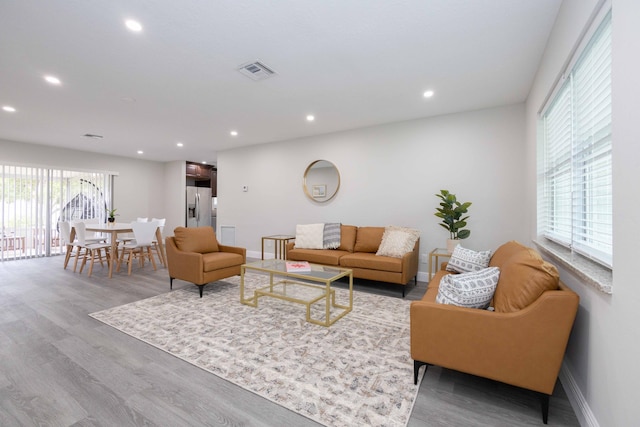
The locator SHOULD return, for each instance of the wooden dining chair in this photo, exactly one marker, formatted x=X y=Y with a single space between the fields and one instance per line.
x=155 y=247
x=65 y=235
x=92 y=250
x=140 y=247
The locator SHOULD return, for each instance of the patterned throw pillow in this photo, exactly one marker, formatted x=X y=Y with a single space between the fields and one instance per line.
x=309 y=236
x=465 y=260
x=331 y=237
x=471 y=290
x=397 y=241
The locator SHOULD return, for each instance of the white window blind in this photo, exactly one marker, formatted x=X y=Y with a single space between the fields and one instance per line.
x=34 y=199
x=576 y=167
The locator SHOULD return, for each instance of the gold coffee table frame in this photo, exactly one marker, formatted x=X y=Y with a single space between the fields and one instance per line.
x=285 y=289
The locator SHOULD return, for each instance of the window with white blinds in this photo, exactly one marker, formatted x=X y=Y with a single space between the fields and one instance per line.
x=576 y=208
x=34 y=199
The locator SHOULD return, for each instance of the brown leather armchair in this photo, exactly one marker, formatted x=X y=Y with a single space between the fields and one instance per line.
x=195 y=255
x=521 y=343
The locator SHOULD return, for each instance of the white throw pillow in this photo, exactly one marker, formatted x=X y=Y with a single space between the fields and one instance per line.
x=471 y=290
x=397 y=241
x=309 y=236
x=465 y=260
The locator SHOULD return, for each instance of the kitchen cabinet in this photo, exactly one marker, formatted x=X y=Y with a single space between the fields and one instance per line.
x=199 y=175
x=214 y=183
x=196 y=170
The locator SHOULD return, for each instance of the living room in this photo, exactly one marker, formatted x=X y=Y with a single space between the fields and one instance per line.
x=390 y=173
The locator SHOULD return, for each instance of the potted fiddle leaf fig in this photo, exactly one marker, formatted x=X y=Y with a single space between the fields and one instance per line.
x=451 y=212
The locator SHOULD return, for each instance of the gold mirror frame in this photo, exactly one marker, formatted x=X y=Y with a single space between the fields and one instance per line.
x=321 y=181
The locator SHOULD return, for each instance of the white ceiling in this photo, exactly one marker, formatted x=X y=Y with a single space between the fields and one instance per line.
x=351 y=63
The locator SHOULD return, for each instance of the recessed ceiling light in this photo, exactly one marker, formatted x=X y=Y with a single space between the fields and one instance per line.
x=133 y=25
x=204 y=163
x=233 y=133
x=180 y=144
x=140 y=152
x=53 y=80
x=310 y=118
x=428 y=94
x=9 y=109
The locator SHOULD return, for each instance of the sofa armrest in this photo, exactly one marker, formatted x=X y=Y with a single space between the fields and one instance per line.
x=524 y=348
x=187 y=266
x=235 y=250
x=410 y=262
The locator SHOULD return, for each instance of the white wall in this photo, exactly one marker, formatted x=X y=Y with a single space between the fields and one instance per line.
x=605 y=344
x=142 y=188
x=389 y=176
x=175 y=195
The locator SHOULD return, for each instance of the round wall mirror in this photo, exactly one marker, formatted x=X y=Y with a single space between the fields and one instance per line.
x=321 y=181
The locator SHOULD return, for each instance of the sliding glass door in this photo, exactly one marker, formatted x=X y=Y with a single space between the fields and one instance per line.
x=34 y=199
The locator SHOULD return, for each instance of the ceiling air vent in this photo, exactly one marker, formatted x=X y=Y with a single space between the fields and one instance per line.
x=256 y=70
x=93 y=135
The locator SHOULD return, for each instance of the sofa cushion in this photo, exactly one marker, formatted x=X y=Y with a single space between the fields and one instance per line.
x=524 y=277
x=371 y=261
x=397 y=241
x=472 y=290
x=317 y=256
x=331 y=235
x=196 y=239
x=368 y=239
x=465 y=260
x=504 y=252
x=309 y=236
x=218 y=260
x=347 y=237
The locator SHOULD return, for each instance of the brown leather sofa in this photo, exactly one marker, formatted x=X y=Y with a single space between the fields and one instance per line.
x=357 y=251
x=195 y=255
x=521 y=343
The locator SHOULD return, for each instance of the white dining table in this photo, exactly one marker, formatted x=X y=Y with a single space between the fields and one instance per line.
x=113 y=229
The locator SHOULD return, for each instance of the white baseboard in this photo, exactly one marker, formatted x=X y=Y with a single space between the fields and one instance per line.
x=576 y=398
x=423 y=276
x=258 y=255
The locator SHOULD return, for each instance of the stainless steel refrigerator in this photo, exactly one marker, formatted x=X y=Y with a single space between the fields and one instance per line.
x=198 y=206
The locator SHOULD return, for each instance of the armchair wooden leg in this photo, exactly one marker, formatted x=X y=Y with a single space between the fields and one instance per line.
x=120 y=258
x=150 y=254
x=416 y=367
x=75 y=262
x=170 y=282
x=92 y=255
x=544 y=400
x=67 y=255
x=84 y=260
x=201 y=288
x=130 y=260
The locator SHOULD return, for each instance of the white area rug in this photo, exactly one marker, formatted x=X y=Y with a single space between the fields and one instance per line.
x=356 y=372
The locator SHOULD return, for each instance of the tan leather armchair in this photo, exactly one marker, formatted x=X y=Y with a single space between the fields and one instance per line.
x=521 y=343
x=195 y=255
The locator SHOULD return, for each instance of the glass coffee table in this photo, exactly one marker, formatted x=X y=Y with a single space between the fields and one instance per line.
x=308 y=287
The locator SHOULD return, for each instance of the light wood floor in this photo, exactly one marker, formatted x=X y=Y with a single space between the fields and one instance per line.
x=59 y=367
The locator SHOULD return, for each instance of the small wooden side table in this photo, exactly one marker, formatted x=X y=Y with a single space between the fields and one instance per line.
x=436 y=254
x=279 y=245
